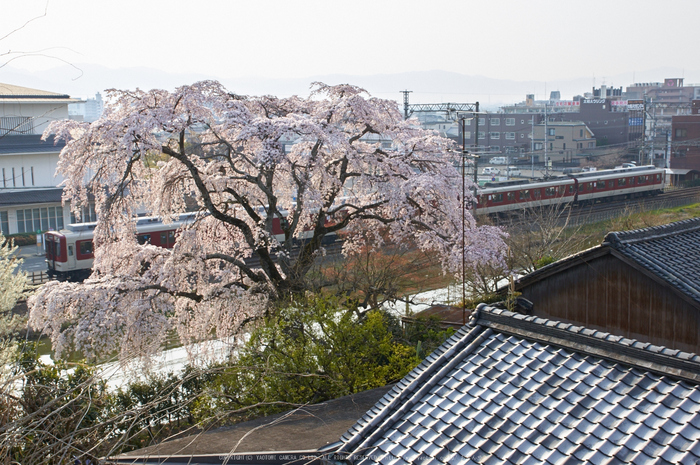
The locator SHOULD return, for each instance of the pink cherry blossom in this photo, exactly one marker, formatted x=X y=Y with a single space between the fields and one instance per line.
x=338 y=160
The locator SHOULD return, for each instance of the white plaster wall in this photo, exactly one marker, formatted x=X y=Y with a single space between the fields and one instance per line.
x=44 y=165
x=42 y=113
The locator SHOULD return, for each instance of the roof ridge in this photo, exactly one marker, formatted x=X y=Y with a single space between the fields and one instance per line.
x=15 y=91
x=662 y=360
x=621 y=238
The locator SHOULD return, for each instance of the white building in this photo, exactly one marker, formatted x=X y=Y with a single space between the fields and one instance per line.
x=30 y=199
x=88 y=110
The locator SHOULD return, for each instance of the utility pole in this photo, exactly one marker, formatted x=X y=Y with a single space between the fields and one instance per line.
x=532 y=143
x=405 y=102
x=546 y=142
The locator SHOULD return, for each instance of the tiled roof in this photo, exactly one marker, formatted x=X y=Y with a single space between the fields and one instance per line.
x=31 y=143
x=510 y=388
x=671 y=252
x=301 y=431
x=28 y=197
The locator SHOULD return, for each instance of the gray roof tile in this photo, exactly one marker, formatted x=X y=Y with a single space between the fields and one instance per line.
x=679 y=245
x=509 y=399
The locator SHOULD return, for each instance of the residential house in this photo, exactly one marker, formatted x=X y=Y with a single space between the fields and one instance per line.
x=505 y=388
x=564 y=139
x=642 y=284
x=510 y=388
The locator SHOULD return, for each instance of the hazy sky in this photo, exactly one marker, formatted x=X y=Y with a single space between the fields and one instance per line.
x=509 y=39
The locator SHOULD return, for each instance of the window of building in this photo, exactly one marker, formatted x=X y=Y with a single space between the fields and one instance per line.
x=510 y=121
x=538 y=146
x=4 y=223
x=510 y=135
x=467 y=134
x=551 y=131
x=495 y=148
x=495 y=135
x=495 y=121
x=482 y=135
x=39 y=219
x=681 y=132
x=580 y=134
x=87 y=215
x=482 y=122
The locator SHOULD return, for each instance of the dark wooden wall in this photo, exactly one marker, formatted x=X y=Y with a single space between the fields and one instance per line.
x=607 y=294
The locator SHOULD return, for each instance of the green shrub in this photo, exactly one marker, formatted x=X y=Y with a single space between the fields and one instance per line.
x=23 y=239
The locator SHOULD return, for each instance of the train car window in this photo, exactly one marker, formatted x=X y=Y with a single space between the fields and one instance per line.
x=658 y=177
x=643 y=179
x=85 y=247
x=571 y=188
x=622 y=182
x=600 y=185
x=536 y=194
x=525 y=195
x=511 y=196
x=167 y=238
x=143 y=238
x=70 y=250
x=497 y=198
x=562 y=189
x=550 y=191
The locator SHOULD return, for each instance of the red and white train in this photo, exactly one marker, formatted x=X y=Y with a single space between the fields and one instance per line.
x=70 y=252
x=577 y=189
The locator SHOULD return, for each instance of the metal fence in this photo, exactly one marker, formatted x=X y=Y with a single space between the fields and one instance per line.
x=35 y=278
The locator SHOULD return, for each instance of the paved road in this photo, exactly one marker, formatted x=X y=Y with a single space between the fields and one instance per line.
x=33 y=257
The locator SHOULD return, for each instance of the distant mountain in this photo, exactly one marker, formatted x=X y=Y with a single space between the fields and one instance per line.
x=425 y=86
